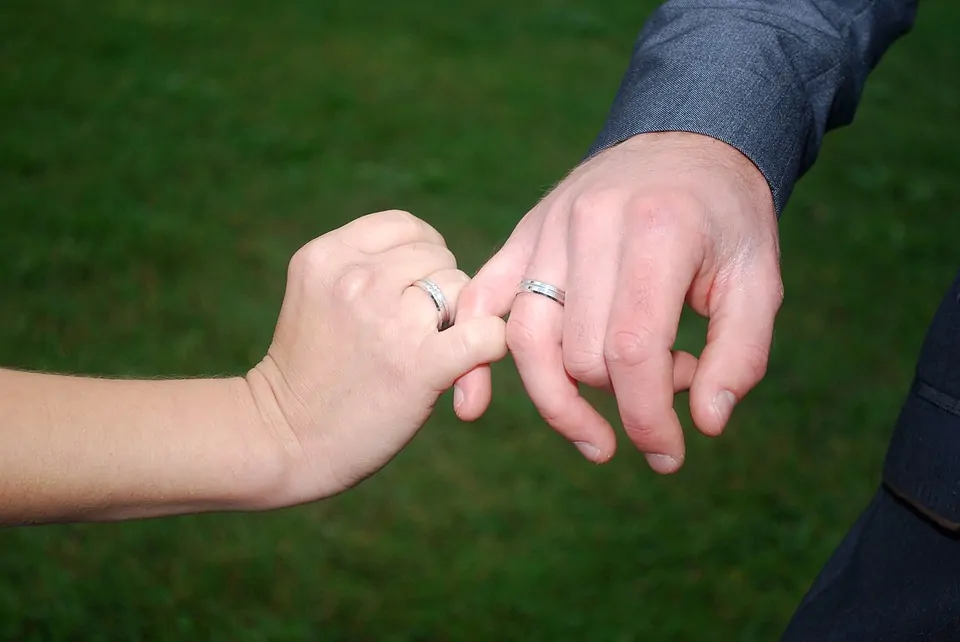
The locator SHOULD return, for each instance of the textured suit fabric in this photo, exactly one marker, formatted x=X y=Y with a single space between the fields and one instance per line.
x=769 y=77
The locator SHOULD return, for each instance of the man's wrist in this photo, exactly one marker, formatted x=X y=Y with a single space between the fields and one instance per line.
x=711 y=148
x=714 y=152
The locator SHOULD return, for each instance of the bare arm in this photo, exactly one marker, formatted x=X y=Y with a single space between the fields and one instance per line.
x=98 y=449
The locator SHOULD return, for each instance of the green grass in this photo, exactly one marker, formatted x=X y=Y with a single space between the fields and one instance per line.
x=159 y=162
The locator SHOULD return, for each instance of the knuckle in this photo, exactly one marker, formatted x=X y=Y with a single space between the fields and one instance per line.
x=416 y=226
x=755 y=359
x=768 y=264
x=552 y=414
x=663 y=210
x=521 y=338
x=399 y=217
x=640 y=433
x=437 y=257
x=778 y=294
x=628 y=347
x=585 y=206
x=354 y=283
x=445 y=257
x=645 y=424
x=584 y=364
x=311 y=260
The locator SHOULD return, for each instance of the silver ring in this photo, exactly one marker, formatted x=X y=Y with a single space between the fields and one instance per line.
x=444 y=319
x=552 y=292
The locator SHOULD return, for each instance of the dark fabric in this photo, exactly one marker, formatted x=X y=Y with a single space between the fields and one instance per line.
x=923 y=461
x=896 y=576
x=769 y=77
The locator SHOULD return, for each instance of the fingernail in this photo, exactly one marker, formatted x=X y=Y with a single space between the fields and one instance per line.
x=723 y=405
x=663 y=464
x=588 y=450
x=457 y=397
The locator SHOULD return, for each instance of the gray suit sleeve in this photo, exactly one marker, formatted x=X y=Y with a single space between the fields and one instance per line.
x=769 y=77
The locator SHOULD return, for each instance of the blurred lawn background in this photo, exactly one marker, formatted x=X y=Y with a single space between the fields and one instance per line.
x=159 y=163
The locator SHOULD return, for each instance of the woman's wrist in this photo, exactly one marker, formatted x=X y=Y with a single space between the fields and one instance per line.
x=286 y=473
x=251 y=459
x=91 y=449
x=215 y=452
x=267 y=442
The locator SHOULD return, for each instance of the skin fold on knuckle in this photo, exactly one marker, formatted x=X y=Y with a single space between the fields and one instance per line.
x=446 y=258
x=628 y=347
x=398 y=217
x=763 y=273
x=755 y=359
x=778 y=293
x=751 y=256
x=354 y=284
x=642 y=431
x=437 y=254
x=584 y=365
x=311 y=262
x=418 y=227
x=665 y=211
x=588 y=204
x=556 y=415
x=522 y=340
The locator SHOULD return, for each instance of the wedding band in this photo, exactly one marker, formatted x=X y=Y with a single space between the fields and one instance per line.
x=552 y=292
x=443 y=310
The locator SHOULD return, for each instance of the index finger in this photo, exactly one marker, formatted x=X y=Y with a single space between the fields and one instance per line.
x=655 y=273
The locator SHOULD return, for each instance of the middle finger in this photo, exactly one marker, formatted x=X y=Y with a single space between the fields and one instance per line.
x=655 y=273
x=594 y=262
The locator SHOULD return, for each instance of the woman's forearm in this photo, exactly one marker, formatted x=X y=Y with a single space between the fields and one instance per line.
x=76 y=448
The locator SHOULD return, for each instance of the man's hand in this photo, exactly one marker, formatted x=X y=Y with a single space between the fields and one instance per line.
x=630 y=235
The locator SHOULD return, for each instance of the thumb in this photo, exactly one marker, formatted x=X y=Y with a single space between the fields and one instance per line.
x=489 y=294
x=735 y=357
x=470 y=343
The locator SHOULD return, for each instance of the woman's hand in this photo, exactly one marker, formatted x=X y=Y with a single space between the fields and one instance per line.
x=355 y=367
x=357 y=362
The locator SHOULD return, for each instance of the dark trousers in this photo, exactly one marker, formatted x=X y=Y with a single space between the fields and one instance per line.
x=896 y=575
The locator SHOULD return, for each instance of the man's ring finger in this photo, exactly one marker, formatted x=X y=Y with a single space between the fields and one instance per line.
x=552 y=292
